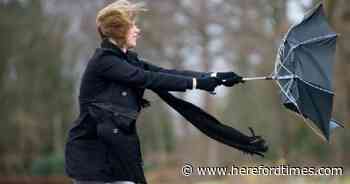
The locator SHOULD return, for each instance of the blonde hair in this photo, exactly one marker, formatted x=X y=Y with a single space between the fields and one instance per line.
x=114 y=20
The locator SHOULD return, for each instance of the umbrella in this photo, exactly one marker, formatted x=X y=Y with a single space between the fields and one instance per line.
x=303 y=71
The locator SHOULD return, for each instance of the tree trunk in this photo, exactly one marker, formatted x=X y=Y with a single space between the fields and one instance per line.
x=338 y=12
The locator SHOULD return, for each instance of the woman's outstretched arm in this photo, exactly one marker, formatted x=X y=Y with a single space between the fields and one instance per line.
x=188 y=73
x=117 y=70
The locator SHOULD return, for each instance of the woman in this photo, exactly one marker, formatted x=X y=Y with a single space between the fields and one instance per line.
x=103 y=145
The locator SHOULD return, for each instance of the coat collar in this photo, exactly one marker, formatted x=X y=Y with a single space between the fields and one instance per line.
x=129 y=55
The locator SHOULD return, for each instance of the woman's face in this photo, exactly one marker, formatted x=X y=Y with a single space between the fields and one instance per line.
x=132 y=36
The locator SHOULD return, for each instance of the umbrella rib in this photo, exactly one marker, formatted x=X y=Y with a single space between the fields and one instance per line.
x=315 y=86
x=289 y=98
x=282 y=66
x=316 y=39
x=279 y=63
x=289 y=83
x=286 y=93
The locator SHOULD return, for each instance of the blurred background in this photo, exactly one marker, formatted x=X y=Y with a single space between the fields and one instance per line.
x=45 y=46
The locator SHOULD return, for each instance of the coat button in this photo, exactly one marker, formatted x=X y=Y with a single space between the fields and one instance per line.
x=124 y=93
x=115 y=131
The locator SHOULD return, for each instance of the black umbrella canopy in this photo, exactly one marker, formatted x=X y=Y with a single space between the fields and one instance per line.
x=304 y=70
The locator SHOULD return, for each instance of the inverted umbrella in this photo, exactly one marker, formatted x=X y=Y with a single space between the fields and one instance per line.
x=303 y=71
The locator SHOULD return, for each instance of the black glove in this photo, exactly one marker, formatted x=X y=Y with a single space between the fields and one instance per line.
x=207 y=83
x=229 y=79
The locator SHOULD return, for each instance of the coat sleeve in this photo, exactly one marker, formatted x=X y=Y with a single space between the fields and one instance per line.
x=121 y=71
x=187 y=73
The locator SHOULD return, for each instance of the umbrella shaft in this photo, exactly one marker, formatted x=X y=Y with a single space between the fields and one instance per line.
x=256 y=78
x=269 y=78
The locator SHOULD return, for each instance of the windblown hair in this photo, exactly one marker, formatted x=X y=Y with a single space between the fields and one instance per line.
x=114 y=20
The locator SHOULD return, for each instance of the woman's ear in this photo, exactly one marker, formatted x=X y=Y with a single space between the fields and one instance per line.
x=99 y=30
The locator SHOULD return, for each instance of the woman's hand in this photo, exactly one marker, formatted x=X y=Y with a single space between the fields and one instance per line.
x=206 y=83
x=228 y=79
x=209 y=83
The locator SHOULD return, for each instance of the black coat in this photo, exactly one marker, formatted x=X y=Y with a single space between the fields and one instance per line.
x=103 y=144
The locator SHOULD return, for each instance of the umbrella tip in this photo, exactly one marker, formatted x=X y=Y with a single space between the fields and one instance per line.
x=333 y=124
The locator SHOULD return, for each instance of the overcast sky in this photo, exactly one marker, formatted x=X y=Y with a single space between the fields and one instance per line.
x=295 y=9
